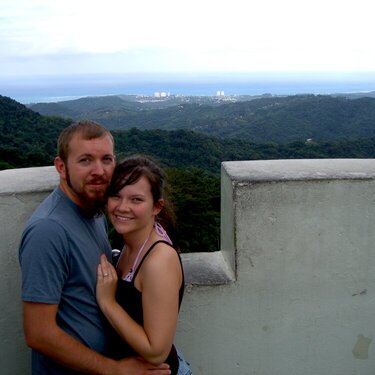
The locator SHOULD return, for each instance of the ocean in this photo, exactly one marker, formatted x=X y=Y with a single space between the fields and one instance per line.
x=36 y=89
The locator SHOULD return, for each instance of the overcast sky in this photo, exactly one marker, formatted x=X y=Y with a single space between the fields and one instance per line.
x=118 y=36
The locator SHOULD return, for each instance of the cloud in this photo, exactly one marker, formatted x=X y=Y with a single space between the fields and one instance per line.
x=71 y=36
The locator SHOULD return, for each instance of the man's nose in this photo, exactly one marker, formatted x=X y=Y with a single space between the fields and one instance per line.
x=98 y=168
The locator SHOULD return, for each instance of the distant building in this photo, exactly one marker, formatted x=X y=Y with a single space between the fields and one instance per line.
x=161 y=94
x=220 y=93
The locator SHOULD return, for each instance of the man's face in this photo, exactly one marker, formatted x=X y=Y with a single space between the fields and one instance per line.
x=88 y=170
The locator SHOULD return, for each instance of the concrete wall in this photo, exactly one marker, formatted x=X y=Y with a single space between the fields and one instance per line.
x=301 y=233
x=292 y=290
x=20 y=192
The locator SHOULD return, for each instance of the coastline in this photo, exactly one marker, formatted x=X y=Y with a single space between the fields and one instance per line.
x=44 y=89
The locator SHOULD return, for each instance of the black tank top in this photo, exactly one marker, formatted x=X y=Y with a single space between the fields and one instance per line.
x=130 y=299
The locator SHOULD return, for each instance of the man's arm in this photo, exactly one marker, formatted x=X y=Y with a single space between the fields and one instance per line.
x=45 y=336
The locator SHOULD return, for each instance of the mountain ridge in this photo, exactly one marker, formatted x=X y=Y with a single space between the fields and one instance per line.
x=279 y=119
x=29 y=139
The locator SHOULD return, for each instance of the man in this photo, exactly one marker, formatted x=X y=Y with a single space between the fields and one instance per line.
x=59 y=253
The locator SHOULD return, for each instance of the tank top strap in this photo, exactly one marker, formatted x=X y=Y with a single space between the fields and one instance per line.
x=147 y=253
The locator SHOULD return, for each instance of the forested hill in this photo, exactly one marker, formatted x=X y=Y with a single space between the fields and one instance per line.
x=29 y=139
x=260 y=120
x=192 y=161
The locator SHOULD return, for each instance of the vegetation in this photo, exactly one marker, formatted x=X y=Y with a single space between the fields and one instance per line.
x=196 y=197
x=259 y=120
x=192 y=159
x=27 y=138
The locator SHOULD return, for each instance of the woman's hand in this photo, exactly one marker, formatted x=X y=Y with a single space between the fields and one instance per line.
x=106 y=283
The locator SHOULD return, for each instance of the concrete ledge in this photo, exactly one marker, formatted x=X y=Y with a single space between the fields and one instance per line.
x=25 y=180
x=206 y=269
x=299 y=169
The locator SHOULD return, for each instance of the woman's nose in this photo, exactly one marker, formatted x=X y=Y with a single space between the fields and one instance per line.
x=123 y=205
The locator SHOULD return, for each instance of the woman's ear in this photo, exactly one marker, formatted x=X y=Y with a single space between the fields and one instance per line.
x=158 y=206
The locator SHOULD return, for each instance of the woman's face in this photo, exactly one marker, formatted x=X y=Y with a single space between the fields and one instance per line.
x=133 y=208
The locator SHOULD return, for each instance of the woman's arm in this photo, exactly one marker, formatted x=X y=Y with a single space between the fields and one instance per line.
x=43 y=334
x=159 y=280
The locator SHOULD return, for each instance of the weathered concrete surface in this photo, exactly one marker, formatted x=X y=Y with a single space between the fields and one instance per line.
x=303 y=301
x=21 y=190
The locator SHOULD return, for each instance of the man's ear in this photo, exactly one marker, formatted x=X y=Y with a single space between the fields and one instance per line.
x=60 y=167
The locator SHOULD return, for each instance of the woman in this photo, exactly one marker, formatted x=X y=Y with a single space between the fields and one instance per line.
x=148 y=275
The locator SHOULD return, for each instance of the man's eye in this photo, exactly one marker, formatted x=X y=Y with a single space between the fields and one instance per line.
x=84 y=161
x=108 y=160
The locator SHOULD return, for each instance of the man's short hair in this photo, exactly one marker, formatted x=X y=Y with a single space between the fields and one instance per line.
x=86 y=129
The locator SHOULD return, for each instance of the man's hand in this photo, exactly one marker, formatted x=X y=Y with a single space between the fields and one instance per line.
x=137 y=366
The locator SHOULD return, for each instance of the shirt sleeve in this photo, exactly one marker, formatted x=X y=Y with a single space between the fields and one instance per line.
x=43 y=256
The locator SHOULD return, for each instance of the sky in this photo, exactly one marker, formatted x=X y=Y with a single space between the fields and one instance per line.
x=56 y=37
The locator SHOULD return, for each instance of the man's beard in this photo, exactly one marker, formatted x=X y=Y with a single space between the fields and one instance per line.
x=91 y=206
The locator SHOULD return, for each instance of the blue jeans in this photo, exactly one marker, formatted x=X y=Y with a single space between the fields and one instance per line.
x=183 y=366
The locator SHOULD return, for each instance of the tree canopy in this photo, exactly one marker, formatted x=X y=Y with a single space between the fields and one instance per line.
x=191 y=159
